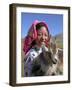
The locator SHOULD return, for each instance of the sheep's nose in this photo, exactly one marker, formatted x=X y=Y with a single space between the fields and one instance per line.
x=53 y=74
x=54 y=61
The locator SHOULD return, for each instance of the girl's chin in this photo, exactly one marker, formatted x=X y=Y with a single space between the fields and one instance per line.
x=42 y=43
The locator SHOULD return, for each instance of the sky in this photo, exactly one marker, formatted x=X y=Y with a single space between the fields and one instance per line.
x=54 y=22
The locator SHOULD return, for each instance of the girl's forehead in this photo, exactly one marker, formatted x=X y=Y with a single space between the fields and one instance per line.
x=43 y=30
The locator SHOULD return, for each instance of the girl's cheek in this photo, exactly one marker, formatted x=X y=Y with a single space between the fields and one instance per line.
x=38 y=37
x=46 y=38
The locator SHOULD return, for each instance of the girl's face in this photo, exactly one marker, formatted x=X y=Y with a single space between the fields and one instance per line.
x=42 y=36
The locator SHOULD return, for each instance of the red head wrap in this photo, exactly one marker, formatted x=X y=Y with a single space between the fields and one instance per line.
x=32 y=35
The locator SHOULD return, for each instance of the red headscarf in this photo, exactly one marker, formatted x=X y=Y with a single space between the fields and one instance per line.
x=32 y=35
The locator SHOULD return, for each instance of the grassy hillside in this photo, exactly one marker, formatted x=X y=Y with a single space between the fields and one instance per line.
x=59 y=40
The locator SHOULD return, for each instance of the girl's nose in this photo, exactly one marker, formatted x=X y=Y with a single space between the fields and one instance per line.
x=43 y=37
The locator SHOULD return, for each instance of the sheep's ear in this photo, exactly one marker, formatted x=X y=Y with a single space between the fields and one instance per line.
x=53 y=48
x=60 y=54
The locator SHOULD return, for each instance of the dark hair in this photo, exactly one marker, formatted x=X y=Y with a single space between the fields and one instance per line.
x=41 y=24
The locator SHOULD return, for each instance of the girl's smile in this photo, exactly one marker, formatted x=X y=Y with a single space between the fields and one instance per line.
x=42 y=36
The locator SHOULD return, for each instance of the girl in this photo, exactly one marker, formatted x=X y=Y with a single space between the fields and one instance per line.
x=37 y=38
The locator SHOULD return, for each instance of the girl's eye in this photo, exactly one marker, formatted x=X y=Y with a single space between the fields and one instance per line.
x=39 y=34
x=46 y=35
